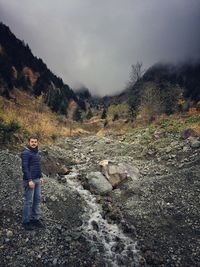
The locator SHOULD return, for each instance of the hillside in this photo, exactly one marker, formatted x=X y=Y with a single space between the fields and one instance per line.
x=28 y=87
x=162 y=89
x=19 y=68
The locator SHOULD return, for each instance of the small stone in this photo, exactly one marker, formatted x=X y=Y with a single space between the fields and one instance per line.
x=9 y=233
x=195 y=144
x=174 y=143
x=180 y=165
x=53 y=198
x=63 y=179
x=95 y=226
x=55 y=262
x=63 y=170
x=185 y=149
x=31 y=253
x=169 y=149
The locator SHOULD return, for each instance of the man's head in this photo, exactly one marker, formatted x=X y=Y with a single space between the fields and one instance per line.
x=33 y=141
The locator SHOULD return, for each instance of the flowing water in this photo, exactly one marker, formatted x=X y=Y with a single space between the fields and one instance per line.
x=107 y=239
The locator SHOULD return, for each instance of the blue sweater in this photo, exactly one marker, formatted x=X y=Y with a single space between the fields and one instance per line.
x=31 y=166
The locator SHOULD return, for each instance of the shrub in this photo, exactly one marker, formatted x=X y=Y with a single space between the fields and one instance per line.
x=104 y=114
x=7 y=130
x=118 y=111
x=198 y=106
x=193 y=119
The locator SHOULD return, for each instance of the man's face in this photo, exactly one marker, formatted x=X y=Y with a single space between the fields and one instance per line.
x=33 y=143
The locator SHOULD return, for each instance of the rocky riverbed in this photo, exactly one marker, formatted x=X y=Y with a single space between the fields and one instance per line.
x=146 y=214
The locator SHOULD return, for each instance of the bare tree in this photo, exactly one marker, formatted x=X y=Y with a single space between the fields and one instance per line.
x=136 y=73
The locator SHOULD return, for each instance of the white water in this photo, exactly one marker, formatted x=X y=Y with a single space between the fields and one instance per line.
x=117 y=248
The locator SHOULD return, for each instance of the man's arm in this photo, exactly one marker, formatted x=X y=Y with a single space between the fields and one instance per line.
x=25 y=168
x=25 y=165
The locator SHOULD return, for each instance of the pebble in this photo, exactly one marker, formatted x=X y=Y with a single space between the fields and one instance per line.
x=195 y=144
x=55 y=262
x=53 y=198
x=9 y=233
x=185 y=149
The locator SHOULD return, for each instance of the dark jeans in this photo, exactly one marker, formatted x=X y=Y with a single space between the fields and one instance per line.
x=32 y=199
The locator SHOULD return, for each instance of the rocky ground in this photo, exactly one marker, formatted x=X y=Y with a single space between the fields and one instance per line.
x=159 y=209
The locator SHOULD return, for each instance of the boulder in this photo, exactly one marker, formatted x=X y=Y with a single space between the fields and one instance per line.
x=99 y=182
x=194 y=142
x=159 y=134
x=188 y=133
x=63 y=170
x=116 y=173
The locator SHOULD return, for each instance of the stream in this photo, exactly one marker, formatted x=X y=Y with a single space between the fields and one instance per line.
x=106 y=239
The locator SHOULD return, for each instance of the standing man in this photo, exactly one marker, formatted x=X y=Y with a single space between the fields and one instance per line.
x=32 y=181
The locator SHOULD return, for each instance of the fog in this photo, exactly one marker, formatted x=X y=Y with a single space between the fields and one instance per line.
x=94 y=43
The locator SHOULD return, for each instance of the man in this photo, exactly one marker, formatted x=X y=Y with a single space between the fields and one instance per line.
x=32 y=181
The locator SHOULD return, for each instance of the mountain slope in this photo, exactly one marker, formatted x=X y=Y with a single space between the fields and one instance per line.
x=186 y=75
x=20 y=68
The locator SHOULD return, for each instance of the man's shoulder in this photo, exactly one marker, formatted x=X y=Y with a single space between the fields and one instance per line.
x=26 y=151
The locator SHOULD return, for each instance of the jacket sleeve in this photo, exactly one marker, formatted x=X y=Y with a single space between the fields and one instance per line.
x=25 y=165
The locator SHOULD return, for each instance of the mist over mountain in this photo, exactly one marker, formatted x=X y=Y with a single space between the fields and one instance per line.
x=95 y=42
x=185 y=74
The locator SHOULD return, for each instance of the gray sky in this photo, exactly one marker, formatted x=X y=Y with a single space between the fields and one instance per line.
x=95 y=42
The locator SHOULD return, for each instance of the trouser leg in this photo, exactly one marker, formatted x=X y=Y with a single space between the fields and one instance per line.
x=36 y=200
x=28 y=200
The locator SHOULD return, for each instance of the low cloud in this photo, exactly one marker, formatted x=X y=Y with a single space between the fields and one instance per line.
x=94 y=42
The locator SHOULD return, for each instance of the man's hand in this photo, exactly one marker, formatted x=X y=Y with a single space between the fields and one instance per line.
x=31 y=184
x=41 y=181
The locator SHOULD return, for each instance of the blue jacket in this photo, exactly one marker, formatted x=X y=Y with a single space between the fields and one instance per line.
x=31 y=166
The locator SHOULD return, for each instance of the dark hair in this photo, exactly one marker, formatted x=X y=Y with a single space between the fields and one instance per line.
x=32 y=137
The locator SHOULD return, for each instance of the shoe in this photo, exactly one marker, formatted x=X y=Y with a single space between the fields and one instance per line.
x=37 y=223
x=27 y=226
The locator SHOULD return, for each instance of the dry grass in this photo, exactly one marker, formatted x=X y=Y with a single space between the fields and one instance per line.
x=34 y=117
x=174 y=123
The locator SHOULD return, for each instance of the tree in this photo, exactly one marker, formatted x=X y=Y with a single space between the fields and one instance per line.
x=63 y=107
x=136 y=73
x=104 y=114
x=151 y=103
x=89 y=114
x=117 y=111
x=77 y=114
x=171 y=94
x=134 y=85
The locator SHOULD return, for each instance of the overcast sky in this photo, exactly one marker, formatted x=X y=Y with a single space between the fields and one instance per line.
x=95 y=42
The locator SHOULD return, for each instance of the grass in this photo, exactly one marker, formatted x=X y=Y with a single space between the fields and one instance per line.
x=169 y=128
x=34 y=118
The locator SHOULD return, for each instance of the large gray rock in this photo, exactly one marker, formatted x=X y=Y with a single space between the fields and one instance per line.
x=99 y=182
x=116 y=173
